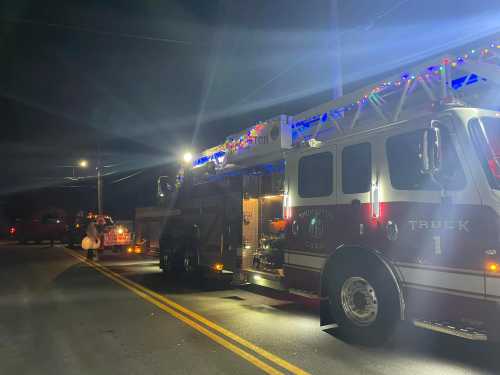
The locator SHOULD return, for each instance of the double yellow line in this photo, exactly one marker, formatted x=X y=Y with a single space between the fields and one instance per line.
x=213 y=331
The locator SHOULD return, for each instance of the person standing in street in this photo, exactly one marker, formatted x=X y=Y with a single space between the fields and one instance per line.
x=93 y=234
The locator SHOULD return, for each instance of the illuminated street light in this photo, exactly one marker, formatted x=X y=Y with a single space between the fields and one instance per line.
x=84 y=164
x=187 y=157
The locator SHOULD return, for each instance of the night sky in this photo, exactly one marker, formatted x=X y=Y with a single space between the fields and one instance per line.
x=134 y=83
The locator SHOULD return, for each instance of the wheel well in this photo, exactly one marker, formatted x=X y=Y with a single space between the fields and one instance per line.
x=345 y=254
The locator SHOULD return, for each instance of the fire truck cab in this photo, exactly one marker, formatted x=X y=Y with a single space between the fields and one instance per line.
x=384 y=204
x=400 y=222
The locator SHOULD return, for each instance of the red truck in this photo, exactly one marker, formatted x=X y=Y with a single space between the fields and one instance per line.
x=383 y=205
x=42 y=226
x=115 y=236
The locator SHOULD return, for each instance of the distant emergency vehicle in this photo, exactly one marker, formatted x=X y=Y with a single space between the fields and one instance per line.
x=384 y=203
x=117 y=237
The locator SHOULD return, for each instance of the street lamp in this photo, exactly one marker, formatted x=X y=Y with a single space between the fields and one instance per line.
x=83 y=163
x=187 y=157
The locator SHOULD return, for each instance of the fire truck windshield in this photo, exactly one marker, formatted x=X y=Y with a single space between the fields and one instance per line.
x=485 y=134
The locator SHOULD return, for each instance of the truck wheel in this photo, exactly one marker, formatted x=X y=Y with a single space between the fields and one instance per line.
x=364 y=301
x=167 y=261
x=190 y=265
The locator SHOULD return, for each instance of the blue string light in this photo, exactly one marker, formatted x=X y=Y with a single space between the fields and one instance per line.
x=299 y=128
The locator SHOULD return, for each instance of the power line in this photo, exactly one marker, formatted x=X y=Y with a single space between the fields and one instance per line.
x=95 y=31
x=127 y=177
x=298 y=62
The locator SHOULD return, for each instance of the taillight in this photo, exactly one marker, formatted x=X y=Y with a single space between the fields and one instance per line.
x=12 y=230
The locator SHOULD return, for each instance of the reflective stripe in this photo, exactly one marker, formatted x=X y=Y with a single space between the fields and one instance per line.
x=302 y=268
x=439 y=268
x=445 y=291
x=309 y=261
x=493 y=286
x=460 y=282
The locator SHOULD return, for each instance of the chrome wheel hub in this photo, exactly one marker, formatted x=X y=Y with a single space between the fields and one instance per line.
x=359 y=301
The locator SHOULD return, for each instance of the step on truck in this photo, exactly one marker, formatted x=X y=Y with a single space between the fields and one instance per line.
x=384 y=203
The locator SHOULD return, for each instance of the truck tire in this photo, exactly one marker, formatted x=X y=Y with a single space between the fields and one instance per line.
x=167 y=263
x=190 y=265
x=364 y=301
x=171 y=254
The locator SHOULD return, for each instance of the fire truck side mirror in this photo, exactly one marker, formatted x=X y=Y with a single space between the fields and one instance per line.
x=159 y=189
x=431 y=150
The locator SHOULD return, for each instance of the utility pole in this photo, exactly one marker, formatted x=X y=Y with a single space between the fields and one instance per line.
x=98 y=117
x=99 y=179
x=335 y=48
x=99 y=188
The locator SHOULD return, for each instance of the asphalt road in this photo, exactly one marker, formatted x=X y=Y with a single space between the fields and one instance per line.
x=59 y=315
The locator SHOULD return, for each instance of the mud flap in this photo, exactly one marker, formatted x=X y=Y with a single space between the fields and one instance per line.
x=325 y=315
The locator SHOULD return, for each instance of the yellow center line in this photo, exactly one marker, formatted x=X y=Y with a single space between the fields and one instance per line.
x=247 y=356
x=269 y=356
x=171 y=305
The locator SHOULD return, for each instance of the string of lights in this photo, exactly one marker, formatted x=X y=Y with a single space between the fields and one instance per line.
x=234 y=144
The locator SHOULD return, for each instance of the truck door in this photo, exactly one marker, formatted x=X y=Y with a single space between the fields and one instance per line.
x=218 y=221
x=484 y=134
x=430 y=224
x=310 y=202
x=233 y=207
x=355 y=198
x=233 y=217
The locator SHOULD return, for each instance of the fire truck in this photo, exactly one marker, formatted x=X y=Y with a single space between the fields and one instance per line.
x=384 y=204
x=117 y=237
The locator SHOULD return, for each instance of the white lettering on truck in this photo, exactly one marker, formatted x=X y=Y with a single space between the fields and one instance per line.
x=459 y=225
